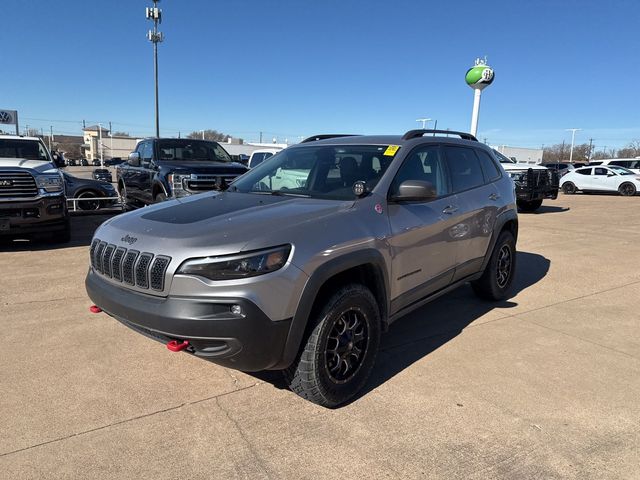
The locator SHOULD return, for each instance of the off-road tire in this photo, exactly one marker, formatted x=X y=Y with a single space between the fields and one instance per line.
x=627 y=189
x=569 y=188
x=491 y=285
x=529 y=206
x=313 y=375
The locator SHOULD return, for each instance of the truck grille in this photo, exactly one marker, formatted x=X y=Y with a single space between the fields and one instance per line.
x=17 y=184
x=143 y=270
x=202 y=183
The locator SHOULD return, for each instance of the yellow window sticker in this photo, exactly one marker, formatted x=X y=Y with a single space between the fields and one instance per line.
x=391 y=150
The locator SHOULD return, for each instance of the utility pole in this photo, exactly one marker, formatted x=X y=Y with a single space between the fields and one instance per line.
x=202 y=134
x=573 y=136
x=260 y=137
x=100 y=145
x=562 y=152
x=155 y=37
x=590 y=146
x=50 y=136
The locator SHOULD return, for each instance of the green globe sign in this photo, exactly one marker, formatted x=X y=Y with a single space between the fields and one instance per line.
x=479 y=76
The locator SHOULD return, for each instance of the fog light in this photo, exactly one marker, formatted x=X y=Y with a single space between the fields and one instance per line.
x=236 y=309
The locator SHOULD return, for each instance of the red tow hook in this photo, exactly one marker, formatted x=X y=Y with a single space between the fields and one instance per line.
x=95 y=309
x=174 y=346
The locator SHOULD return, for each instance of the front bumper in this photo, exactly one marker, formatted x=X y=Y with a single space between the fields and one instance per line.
x=46 y=214
x=537 y=185
x=249 y=341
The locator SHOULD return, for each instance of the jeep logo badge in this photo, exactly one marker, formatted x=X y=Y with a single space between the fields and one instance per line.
x=129 y=239
x=5 y=183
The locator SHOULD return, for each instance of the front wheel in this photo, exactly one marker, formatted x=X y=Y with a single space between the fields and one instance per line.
x=160 y=197
x=496 y=280
x=339 y=354
x=87 y=203
x=569 y=188
x=627 y=189
x=529 y=206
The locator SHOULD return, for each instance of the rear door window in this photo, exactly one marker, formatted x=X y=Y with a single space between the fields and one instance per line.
x=584 y=171
x=464 y=168
x=489 y=167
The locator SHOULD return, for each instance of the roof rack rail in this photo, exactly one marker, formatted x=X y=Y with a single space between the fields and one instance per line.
x=326 y=136
x=419 y=133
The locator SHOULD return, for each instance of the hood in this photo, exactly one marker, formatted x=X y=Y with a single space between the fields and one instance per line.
x=518 y=167
x=36 y=166
x=197 y=166
x=216 y=223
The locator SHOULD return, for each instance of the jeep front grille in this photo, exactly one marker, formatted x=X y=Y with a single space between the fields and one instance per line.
x=143 y=270
x=17 y=184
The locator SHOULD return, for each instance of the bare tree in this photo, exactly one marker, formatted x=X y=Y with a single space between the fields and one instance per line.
x=209 y=135
x=632 y=150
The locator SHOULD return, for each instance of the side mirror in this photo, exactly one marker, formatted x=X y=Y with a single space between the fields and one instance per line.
x=415 y=191
x=134 y=159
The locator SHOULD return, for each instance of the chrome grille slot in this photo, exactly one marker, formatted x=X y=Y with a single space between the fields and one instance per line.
x=99 y=251
x=157 y=272
x=142 y=270
x=116 y=263
x=17 y=184
x=106 y=260
x=127 y=266
x=92 y=252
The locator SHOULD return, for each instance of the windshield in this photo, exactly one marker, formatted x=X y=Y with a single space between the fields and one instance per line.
x=318 y=172
x=27 y=149
x=621 y=171
x=189 y=150
x=502 y=158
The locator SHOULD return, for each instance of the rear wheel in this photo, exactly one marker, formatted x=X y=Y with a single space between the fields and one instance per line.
x=339 y=354
x=495 y=282
x=569 y=188
x=627 y=189
x=529 y=206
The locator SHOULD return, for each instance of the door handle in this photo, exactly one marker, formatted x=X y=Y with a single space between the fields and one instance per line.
x=494 y=196
x=450 y=209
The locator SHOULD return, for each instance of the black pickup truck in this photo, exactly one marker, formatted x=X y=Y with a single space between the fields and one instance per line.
x=162 y=168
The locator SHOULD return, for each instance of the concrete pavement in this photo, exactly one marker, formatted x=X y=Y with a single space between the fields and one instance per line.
x=544 y=385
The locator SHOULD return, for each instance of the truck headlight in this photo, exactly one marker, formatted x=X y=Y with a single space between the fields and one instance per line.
x=50 y=183
x=176 y=181
x=230 y=267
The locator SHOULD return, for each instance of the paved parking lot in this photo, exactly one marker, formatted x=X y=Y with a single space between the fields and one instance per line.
x=545 y=385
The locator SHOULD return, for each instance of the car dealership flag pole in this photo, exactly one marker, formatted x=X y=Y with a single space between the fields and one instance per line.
x=478 y=77
x=155 y=37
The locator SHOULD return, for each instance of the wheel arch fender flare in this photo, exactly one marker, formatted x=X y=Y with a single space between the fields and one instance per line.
x=507 y=217
x=157 y=185
x=366 y=257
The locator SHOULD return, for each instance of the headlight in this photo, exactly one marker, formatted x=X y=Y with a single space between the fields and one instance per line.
x=230 y=267
x=177 y=184
x=50 y=183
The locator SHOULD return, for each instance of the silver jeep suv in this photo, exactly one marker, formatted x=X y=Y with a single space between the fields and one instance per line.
x=303 y=262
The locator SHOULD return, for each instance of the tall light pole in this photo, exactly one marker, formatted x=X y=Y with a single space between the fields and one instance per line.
x=100 y=145
x=424 y=121
x=155 y=37
x=573 y=136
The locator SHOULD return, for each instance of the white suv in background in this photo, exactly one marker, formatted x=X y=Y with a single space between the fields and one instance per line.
x=632 y=164
x=600 y=178
x=259 y=156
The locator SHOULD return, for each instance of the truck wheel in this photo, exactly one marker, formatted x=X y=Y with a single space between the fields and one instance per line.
x=160 y=197
x=126 y=204
x=496 y=280
x=89 y=204
x=340 y=352
x=569 y=188
x=529 y=206
x=627 y=189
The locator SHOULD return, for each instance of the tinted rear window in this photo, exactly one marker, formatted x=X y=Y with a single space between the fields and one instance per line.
x=464 y=168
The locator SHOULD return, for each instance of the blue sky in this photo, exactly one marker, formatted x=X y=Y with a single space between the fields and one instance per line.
x=294 y=68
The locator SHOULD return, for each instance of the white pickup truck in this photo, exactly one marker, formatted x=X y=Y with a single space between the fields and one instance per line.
x=32 y=197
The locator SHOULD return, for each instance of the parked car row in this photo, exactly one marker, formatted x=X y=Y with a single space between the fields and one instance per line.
x=602 y=178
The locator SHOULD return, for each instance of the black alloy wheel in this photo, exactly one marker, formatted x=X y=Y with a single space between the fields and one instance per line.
x=627 y=189
x=569 y=188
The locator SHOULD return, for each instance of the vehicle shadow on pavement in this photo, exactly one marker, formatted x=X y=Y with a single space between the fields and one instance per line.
x=551 y=209
x=423 y=331
x=82 y=229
